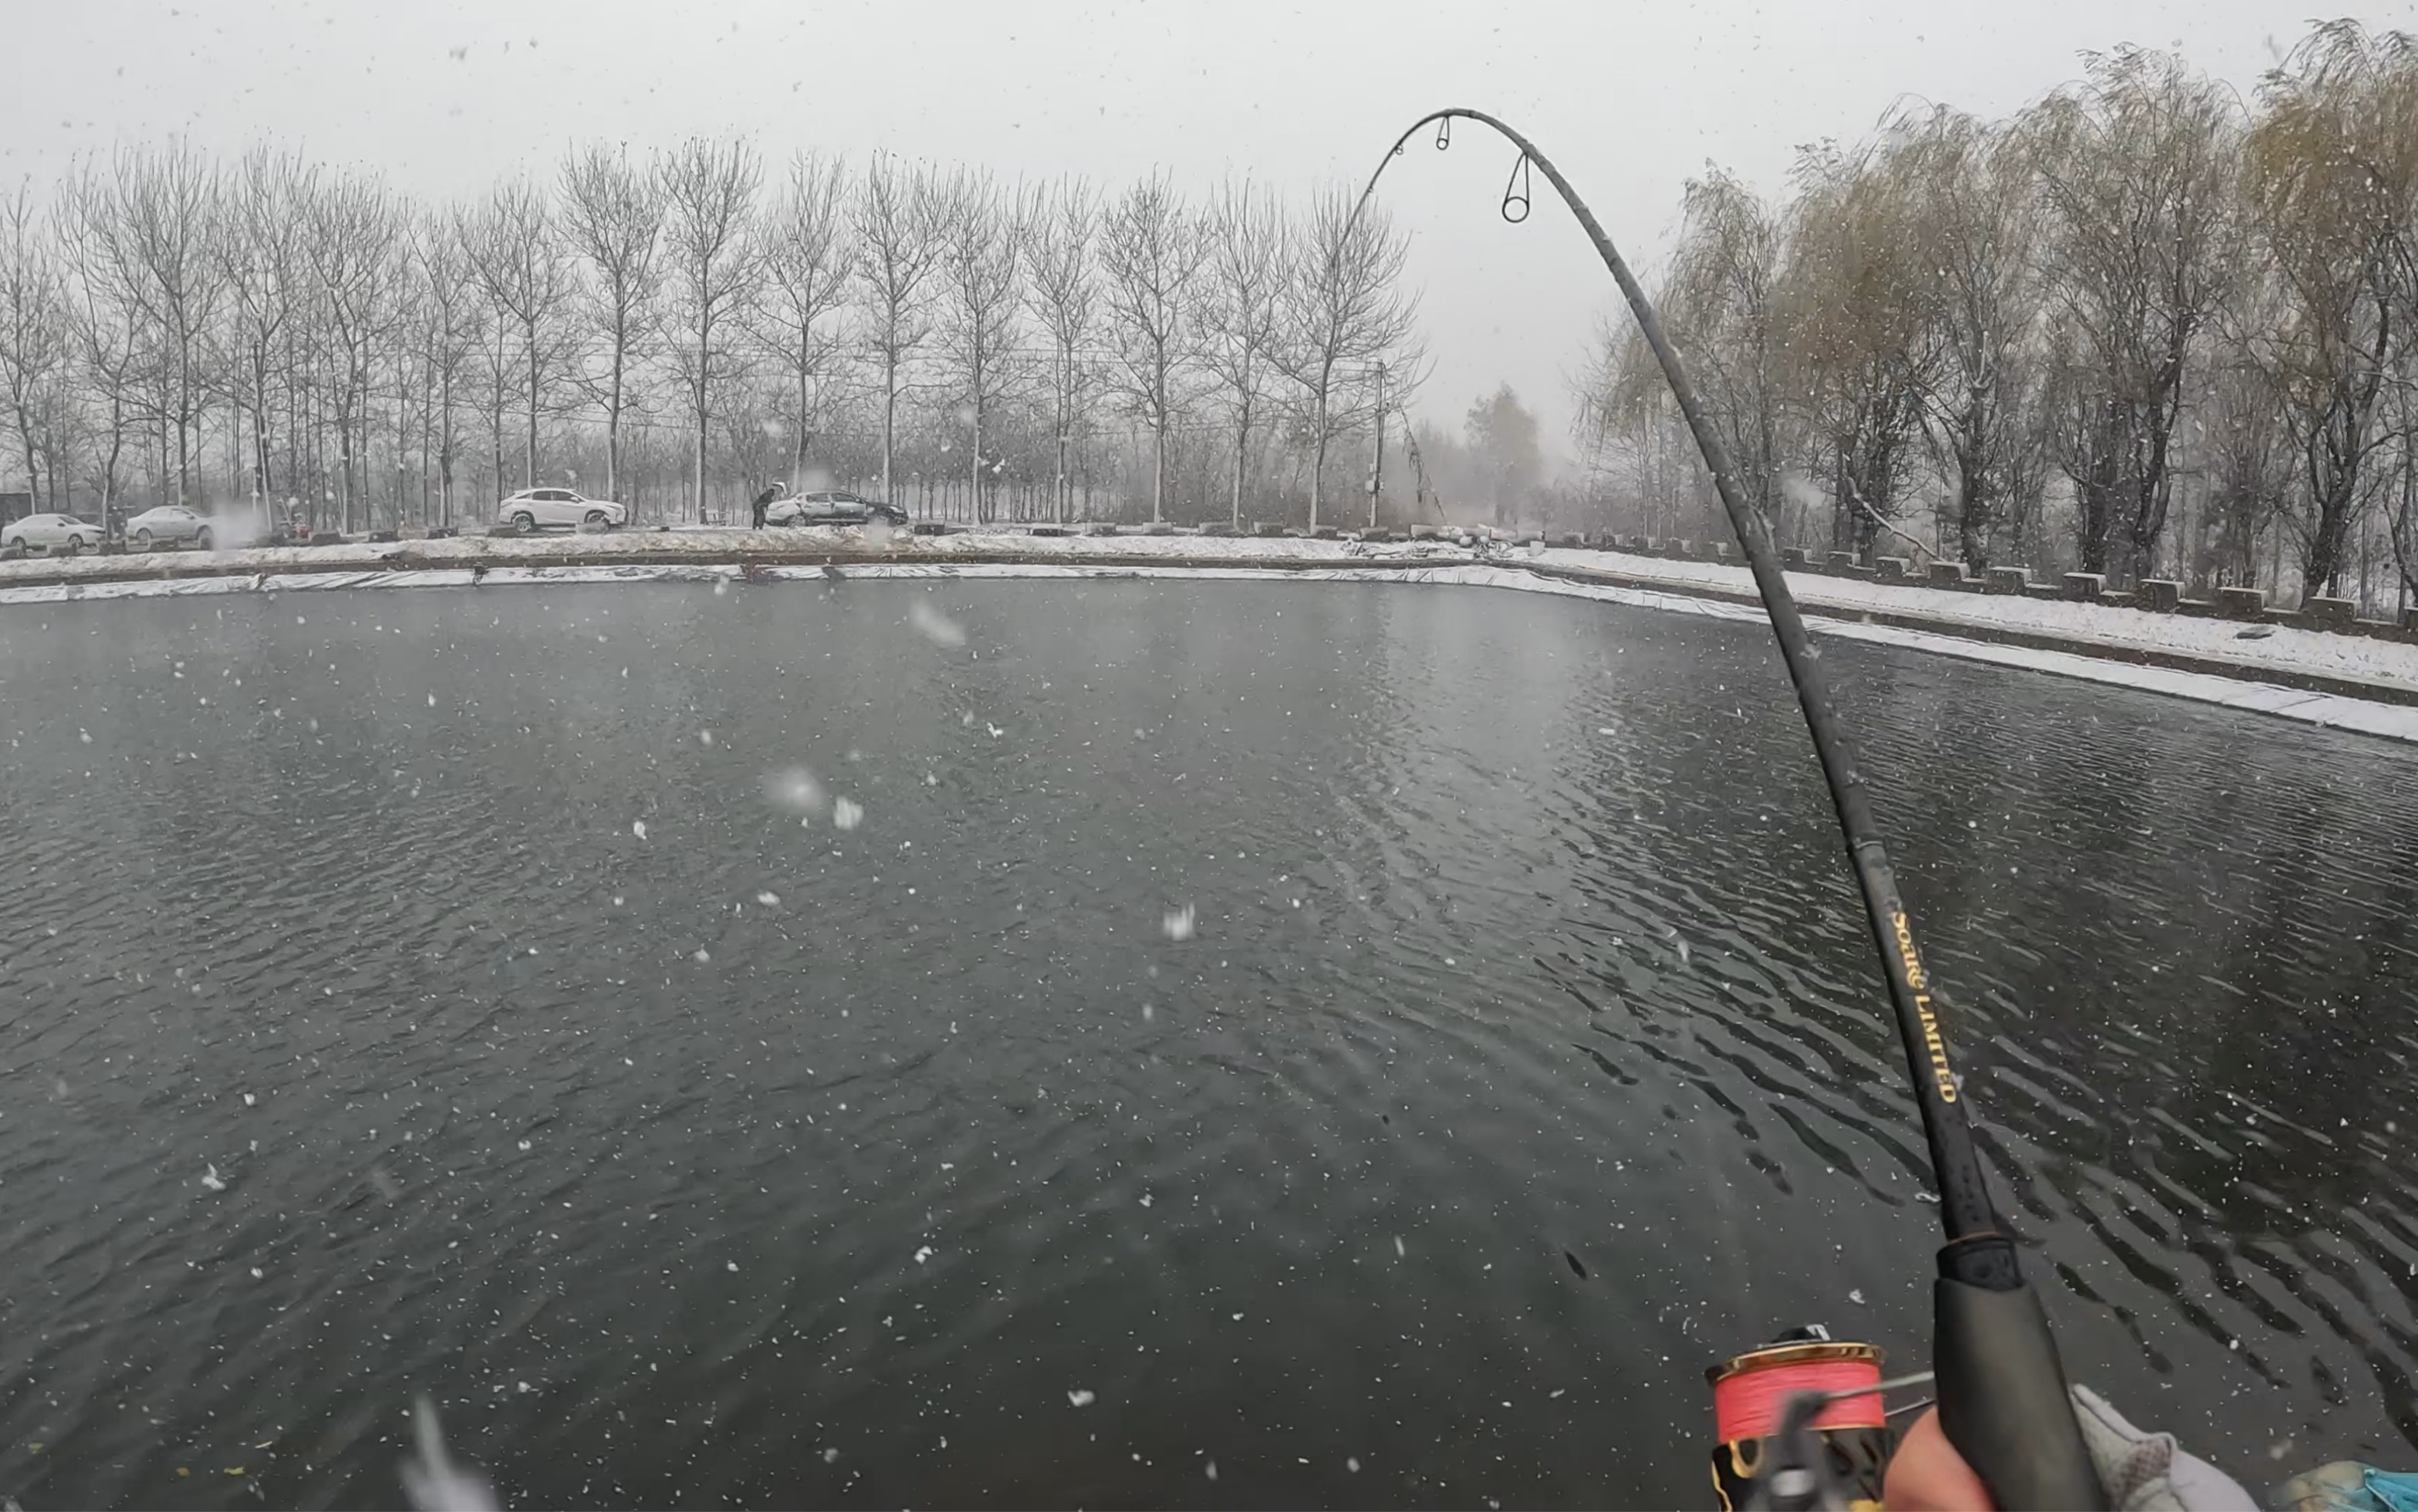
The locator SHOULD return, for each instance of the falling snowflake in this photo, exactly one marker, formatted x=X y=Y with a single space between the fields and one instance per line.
x=847 y=813
x=933 y=625
x=1081 y=1399
x=794 y=788
x=212 y=1179
x=1178 y=923
x=770 y=900
x=638 y=827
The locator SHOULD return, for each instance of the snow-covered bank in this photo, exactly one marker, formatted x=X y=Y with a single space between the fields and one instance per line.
x=2344 y=681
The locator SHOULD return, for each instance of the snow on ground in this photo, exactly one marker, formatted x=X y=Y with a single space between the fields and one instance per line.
x=2094 y=632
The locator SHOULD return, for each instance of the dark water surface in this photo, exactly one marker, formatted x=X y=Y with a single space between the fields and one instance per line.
x=352 y=1044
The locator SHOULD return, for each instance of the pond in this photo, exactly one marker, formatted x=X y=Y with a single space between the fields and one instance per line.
x=1195 y=1044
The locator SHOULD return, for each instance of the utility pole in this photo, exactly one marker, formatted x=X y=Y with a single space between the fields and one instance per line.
x=1377 y=465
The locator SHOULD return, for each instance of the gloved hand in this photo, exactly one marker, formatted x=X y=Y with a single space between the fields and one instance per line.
x=2141 y=1472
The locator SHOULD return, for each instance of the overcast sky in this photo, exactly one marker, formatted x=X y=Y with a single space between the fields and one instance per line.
x=1631 y=96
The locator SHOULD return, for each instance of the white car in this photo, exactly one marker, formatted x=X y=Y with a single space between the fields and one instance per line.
x=531 y=508
x=166 y=524
x=62 y=533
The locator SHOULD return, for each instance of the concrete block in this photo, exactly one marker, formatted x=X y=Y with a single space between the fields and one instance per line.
x=2330 y=614
x=1217 y=528
x=2044 y=590
x=1642 y=546
x=1725 y=552
x=1793 y=557
x=2085 y=588
x=329 y=538
x=1948 y=575
x=1839 y=561
x=2242 y=602
x=1572 y=542
x=2159 y=595
x=1161 y=528
x=1326 y=532
x=385 y=536
x=1051 y=531
x=1893 y=569
x=1380 y=533
x=2012 y=580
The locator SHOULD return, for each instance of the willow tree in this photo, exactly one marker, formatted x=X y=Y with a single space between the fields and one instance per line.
x=1975 y=220
x=1720 y=303
x=2136 y=168
x=2330 y=182
x=1855 y=297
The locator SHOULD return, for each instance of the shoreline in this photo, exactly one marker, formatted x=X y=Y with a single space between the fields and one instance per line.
x=2362 y=684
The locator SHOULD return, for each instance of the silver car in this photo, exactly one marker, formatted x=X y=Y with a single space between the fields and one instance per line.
x=62 y=533
x=166 y=526
x=533 y=508
x=832 y=507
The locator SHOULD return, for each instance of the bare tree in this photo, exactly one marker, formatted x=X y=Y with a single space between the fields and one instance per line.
x=353 y=240
x=1344 y=312
x=517 y=258
x=899 y=229
x=146 y=226
x=1065 y=299
x=714 y=260
x=981 y=279
x=260 y=243
x=35 y=349
x=614 y=218
x=447 y=325
x=1150 y=249
x=1241 y=321
x=2137 y=167
x=809 y=259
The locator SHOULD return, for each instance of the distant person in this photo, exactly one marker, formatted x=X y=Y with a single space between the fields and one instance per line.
x=764 y=500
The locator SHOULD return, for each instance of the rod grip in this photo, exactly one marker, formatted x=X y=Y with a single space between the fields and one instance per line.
x=2002 y=1399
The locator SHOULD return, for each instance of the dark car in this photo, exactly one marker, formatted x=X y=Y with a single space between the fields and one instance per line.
x=832 y=507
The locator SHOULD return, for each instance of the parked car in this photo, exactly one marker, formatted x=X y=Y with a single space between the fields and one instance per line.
x=62 y=533
x=832 y=507
x=532 y=508
x=168 y=525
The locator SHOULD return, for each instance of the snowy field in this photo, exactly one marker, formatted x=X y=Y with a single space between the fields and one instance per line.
x=2095 y=640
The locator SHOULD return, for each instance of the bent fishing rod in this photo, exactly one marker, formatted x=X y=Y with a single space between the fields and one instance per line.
x=2002 y=1389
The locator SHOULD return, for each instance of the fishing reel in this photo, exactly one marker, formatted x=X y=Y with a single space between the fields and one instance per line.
x=1800 y=1426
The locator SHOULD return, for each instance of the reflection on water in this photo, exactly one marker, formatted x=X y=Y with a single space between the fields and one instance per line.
x=408 y=995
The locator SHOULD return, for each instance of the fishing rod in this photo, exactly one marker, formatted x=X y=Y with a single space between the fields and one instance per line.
x=2002 y=1389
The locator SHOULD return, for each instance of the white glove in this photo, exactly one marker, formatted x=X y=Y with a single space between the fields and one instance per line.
x=2148 y=1471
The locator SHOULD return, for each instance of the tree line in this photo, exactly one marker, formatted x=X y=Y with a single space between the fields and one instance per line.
x=2142 y=327
x=676 y=330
